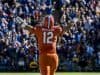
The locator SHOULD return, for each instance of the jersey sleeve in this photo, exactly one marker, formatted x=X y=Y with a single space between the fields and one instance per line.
x=35 y=29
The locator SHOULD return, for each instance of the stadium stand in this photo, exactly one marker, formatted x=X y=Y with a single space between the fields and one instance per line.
x=79 y=49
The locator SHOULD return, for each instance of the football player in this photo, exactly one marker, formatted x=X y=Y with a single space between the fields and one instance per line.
x=47 y=35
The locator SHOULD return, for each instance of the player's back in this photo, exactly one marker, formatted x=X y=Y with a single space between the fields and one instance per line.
x=47 y=39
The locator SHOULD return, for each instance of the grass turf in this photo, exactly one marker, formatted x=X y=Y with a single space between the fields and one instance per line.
x=69 y=73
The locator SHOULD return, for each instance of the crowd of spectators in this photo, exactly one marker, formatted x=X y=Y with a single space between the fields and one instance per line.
x=79 y=49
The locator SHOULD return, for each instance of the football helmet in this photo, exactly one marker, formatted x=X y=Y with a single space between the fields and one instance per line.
x=48 y=21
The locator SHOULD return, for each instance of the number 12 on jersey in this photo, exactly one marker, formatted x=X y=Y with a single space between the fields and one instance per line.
x=47 y=37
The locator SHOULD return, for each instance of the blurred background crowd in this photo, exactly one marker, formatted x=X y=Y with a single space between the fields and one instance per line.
x=79 y=49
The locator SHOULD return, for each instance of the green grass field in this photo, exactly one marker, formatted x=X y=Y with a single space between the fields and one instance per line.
x=69 y=73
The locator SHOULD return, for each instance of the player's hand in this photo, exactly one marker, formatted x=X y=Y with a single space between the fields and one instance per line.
x=20 y=21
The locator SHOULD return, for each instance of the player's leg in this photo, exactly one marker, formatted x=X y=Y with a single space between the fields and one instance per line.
x=53 y=64
x=43 y=65
x=45 y=70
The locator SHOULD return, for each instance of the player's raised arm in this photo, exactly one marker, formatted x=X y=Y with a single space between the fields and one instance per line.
x=29 y=28
x=65 y=28
x=65 y=25
x=24 y=25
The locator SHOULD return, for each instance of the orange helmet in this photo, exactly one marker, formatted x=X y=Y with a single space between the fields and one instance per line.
x=48 y=21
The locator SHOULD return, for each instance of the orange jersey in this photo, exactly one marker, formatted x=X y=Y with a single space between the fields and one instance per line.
x=47 y=38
